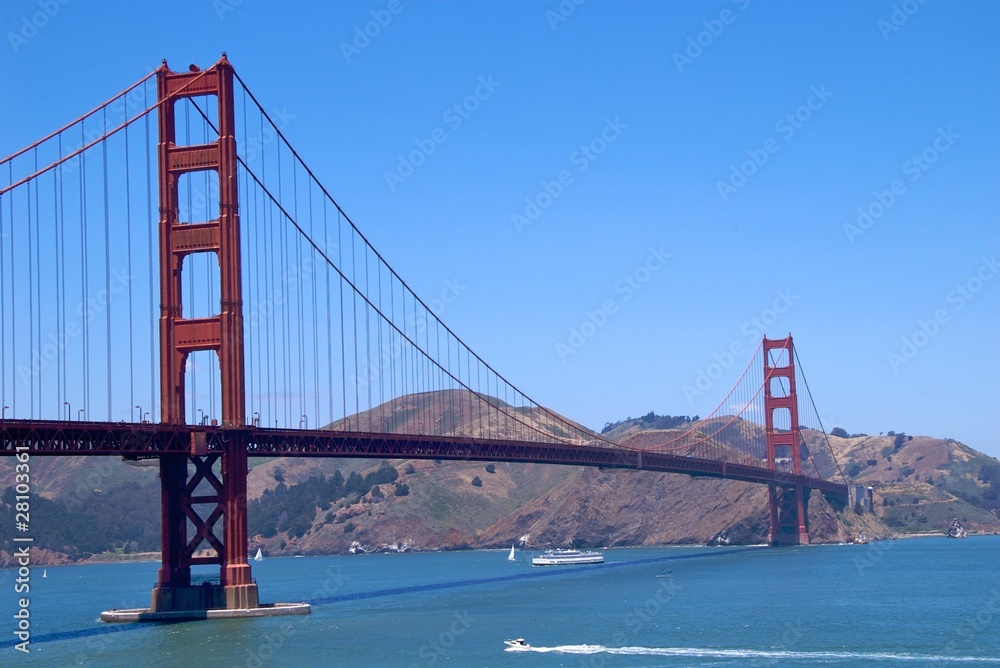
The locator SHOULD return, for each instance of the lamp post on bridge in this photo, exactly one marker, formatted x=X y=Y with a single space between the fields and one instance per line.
x=79 y=414
x=304 y=421
x=3 y=416
x=140 y=411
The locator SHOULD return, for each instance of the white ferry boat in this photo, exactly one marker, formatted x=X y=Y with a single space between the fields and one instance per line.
x=567 y=558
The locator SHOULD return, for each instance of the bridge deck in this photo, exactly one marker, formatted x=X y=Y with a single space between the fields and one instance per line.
x=56 y=438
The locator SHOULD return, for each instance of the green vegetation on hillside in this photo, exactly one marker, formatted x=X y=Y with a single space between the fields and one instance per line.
x=293 y=509
x=126 y=519
x=653 y=421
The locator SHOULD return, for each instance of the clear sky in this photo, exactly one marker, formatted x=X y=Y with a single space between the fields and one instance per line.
x=683 y=175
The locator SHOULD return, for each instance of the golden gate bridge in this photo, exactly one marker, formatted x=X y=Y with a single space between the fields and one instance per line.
x=272 y=328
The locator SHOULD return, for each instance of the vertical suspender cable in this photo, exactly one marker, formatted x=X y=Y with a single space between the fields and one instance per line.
x=256 y=314
x=246 y=253
x=354 y=321
x=388 y=354
x=452 y=384
x=261 y=310
x=128 y=236
x=439 y=390
x=13 y=302
x=315 y=289
x=343 y=353
x=379 y=354
x=214 y=305
x=299 y=288
x=252 y=243
x=38 y=284
x=257 y=323
x=58 y=196
x=84 y=276
x=272 y=340
x=188 y=264
x=329 y=321
x=150 y=227
x=31 y=295
x=285 y=354
x=368 y=344
x=414 y=356
x=107 y=259
x=265 y=208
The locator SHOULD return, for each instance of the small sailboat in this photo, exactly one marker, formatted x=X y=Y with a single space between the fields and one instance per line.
x=45 y=573
x=510 y=557
x=259 y=556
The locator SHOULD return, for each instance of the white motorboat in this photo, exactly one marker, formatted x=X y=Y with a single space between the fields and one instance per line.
x=567 y=558
x=517 y=643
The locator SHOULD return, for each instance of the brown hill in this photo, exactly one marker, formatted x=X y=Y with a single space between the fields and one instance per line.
x=919 y=484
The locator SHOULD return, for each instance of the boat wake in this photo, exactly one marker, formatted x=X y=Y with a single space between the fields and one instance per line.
x=713 y=653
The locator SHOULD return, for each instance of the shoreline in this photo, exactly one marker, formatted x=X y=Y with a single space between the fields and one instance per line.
x=154 y=557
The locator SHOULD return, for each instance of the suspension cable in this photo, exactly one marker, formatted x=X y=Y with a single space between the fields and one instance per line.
x=829 y=447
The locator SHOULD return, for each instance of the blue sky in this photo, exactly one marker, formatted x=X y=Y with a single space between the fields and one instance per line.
x=827 y=168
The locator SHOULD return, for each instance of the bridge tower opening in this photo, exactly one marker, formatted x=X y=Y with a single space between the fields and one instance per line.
x=191 y=489
x=788 y=501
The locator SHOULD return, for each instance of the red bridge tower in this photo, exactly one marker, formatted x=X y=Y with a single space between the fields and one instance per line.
x=788 y=502
x=180 y=336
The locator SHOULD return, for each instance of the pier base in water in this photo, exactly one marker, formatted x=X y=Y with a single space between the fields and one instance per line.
x=147 y=615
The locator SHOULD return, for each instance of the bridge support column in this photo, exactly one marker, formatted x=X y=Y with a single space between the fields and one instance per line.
x=203 y=499
x=239 y=588
x=174 y=574
x=789 y=516
x=788 y=503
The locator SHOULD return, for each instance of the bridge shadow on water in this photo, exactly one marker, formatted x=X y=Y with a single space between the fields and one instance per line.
x=108 y=629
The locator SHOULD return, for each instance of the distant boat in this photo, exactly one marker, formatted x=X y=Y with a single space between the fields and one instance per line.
x=510 y=557
x=259 y=556
x=956 y=530
x=45 y=573
x=567 y=558
x=517 y=643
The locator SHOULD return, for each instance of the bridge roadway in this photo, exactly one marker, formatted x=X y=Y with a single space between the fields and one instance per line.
x=147 y=440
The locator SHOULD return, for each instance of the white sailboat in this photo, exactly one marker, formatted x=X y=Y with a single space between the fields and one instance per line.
x=259 y=556
x=45 y=573
x=510 y=557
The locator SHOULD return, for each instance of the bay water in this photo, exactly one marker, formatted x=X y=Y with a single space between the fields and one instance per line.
x=928 y=601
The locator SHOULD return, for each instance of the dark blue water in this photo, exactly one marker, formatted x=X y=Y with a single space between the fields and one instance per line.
x=918 y=602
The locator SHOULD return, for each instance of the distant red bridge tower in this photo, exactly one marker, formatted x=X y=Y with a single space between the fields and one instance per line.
x=788 y=502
